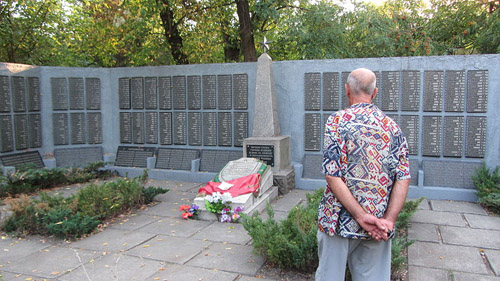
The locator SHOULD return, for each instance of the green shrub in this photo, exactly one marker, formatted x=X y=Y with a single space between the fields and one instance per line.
x=151 y=192
x=63 y=223
x=487 y=183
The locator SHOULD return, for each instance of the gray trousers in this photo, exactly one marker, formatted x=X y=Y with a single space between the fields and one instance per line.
x=368 y=260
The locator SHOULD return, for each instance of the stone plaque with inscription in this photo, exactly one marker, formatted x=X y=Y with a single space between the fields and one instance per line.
x=312 y=132
x=331 y=91
x=343 y=98
x=312 y=91
x=124 y=93
x=411 y=91
x=214 y=160
x=59 y=93
x=4 y=94
x=176 y=159
x=477 y=90
x=240 y=91
x=224 y=129
x=21 y=131
x=21 y=159
x=93 y=91
x=138 y=135
x=210 y=128
x=179 y=127
x=6 y=134
x=164 y=93
x=240 y=128
x=35 y=130
x=389 y=100
x=265 y=153
x=455 y=91
x=94 y=128
x=165 y=128
x=137 y=92
x=194 y=128
x=453 y=136
x=76 y=93
x=433 y=90
x=179 y=92
x=150 y=95
x=125 y=127
x=410 y=126
x=194 y=92
x=475 y=145
x=432 y=127
x=18 y=94
x=34 y=94
x=60 y=128
x=77 y=126
x=130 y=156
x=151 y=127
x=224 y=93
x=209 y=90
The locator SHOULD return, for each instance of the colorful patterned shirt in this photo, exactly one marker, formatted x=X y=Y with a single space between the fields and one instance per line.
x=369 y=152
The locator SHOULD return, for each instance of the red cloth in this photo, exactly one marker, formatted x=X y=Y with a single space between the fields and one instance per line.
x=243 y=185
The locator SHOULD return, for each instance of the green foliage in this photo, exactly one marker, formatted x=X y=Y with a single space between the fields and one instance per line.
x=487 y=183
x=64 y=223
x=151 y=192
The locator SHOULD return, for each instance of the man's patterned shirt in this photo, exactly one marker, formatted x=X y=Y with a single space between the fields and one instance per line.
x=369 y=152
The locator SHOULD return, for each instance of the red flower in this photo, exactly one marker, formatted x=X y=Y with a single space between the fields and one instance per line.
x=186 y=215
x=184 y=208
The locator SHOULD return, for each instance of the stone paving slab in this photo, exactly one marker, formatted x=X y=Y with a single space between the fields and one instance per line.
x=112 y=240
x=480 y=238
x=175 y=185
x=229 y=257
x=114 y=267
x=177 y=198
x=424 y=205
x=51 y=262
x=7 y=276
x=457 y=207
x=447 y=257
x=485 y=222
x=293 y=198
x=13 y=249
x=494 y=260
x=163 y=209
x=423 y=232
x=437 y=217
x=233 y=233
x=170 y=249
x=461 y=276
x=175 y=227
x=248 y=278
x=133 y=222
x=417 y=273
x=188 y=273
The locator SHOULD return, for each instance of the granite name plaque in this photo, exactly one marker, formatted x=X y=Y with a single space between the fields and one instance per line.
x=77 y=157
x=477 y=90
x=345 y=102
x=214 y=160
x=138 y=127
x=19 y=160
x=209 y=86
x=312 y=166
x=410 y=126
x=265 y=153
x=180 y=127
x=224 y=129
x=164 y=93
x=5 y=94
x=18 y=94
x=240 y=128
x=390 y=91
x=312 y=91
x=150 y=94
x=93 y=92
x=475 y=145
x=330 y=91
x=453 y=136
x=378 y=80
x=240 y=91
x=209 y=128
x=35 y=130
x=6 y=134
x=411 y=91
x=76 y=93
x=194 y=128
x=21 y=131
x=455 y=91
x=224 y=97
x=432 y=127
x=179 y=92
x=60 y=128
x=176 y=159
x=194 y=92
x=77 y=125
x=312 y=131
x=151 y=127
x=137 y=92
x=165 y=128
x=124 y=93
x=433 y=90
x=130 y=156
x=94 y=128
x=125 y=127
x=59 y=88
x=34 y=94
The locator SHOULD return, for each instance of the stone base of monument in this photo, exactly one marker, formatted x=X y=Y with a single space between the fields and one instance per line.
x=284 y=180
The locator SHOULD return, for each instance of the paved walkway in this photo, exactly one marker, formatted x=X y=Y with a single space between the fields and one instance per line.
x=455 y=241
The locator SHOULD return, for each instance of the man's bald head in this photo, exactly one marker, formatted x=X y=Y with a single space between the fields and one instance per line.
x=362 y=81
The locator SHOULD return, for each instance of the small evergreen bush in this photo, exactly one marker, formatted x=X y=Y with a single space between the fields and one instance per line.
x=487 y=183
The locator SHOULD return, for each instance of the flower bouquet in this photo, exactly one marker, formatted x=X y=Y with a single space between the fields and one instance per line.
x=189 y=211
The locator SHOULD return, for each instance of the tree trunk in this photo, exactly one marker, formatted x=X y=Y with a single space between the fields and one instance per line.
x=172 y=33
x=246 y=31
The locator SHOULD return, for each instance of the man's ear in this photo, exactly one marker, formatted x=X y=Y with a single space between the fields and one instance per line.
x=374 y=94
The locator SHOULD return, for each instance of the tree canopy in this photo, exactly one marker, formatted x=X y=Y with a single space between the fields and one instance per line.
x=111 y=33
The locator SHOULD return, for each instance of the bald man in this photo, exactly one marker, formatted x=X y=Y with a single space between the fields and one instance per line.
x=365 y=162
